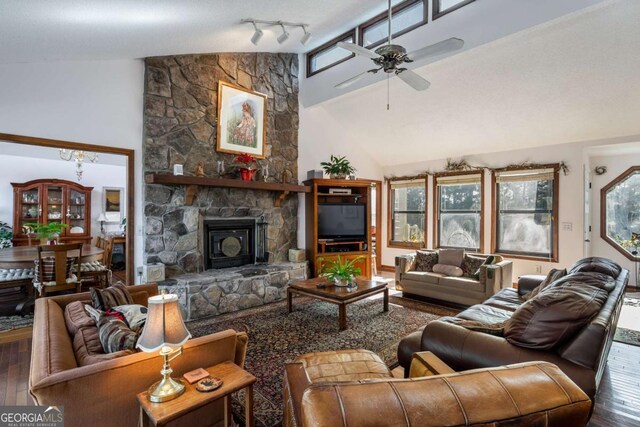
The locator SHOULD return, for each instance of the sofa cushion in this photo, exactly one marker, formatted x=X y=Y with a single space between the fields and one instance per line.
x=552 y=276
x=463 y=283
x=496 y=329
x=75 y=317
x=485 y=314
x=506 y=299
x=115 y=295
x=424 y=276
x=451 y=257
x=598 y=265
x=448 y=270
x=554 y=315
x=343 y=365
x=115 y=335
x=425 y=260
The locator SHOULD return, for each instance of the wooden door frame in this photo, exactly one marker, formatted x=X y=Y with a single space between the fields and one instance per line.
x=128 y=153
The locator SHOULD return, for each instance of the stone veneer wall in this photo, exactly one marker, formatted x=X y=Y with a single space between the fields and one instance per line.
x=180 y=109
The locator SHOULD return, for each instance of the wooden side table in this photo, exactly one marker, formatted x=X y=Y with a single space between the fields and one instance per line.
x=233 y=379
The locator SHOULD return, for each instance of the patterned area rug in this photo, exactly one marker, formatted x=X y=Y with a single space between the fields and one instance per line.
x=9 y=323
x=628 y=330
x=276 y=337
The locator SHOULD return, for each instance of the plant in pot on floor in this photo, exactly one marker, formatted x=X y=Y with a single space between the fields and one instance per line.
x=342 y=272
x=338 y=167
x=47 y=233
x=248 y=166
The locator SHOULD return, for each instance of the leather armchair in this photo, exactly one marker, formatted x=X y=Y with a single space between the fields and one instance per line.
x=534 y=393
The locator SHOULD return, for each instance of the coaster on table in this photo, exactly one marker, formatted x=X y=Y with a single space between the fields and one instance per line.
x=195 y=375
x=209 y=384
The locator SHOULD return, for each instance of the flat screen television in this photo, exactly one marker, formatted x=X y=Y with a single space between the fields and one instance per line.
x=342 y=221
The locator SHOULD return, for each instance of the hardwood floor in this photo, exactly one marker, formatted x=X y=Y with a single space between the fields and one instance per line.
x=617 y=403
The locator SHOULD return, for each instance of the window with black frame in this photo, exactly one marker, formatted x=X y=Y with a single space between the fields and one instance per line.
x=407 y=16
x=526 y=212
x=459 y=202
x=329 y=54
x=407 y=203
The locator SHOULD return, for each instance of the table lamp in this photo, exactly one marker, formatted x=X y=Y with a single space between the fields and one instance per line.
x=164 y=330
x=102 y=219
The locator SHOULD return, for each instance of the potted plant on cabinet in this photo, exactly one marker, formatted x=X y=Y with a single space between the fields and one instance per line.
x=338 y=167
x=342 y=272
x=6 y=235
x=247 y=164
x=47 y=233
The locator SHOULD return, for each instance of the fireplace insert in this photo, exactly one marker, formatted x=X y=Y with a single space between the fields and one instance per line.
x=232 y=242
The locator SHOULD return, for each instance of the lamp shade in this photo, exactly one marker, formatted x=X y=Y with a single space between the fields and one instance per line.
x=102 y=217
x=164 y=326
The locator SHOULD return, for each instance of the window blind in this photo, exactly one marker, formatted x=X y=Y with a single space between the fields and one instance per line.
x=459 y=179
x=407 y=183
x=525 y=175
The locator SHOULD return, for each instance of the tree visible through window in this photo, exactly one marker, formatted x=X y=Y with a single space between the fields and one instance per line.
x=459 y=212
x=621 y=199
x=407 y=212
x=526 y=213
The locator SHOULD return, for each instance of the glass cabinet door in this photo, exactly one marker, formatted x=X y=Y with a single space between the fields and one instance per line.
x=76 y=213
x=54 y=204
x=30 y=208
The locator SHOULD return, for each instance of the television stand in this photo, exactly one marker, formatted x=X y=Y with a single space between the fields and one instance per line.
x=341 y=246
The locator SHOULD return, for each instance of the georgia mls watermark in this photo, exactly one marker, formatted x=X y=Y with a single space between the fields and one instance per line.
x=31 y=416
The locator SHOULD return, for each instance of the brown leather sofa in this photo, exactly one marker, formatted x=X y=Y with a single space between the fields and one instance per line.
x=582 y=356
x=527 y=394
x=103 y=393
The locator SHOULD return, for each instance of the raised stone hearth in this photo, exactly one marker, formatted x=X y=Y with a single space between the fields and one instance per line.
x=232 y=289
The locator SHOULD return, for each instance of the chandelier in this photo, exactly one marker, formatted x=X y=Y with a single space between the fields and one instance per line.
x=79 y=157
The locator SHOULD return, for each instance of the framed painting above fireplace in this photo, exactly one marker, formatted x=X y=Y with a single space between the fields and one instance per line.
x=242 y=116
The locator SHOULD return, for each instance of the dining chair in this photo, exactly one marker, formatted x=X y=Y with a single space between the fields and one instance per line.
x=96 y=273
x=54 y=275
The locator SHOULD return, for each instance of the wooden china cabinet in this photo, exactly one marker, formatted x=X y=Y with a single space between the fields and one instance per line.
x=52 y=200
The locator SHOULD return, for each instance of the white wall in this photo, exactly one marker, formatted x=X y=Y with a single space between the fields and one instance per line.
x=616 y=165
x=571 y=199
x=22 y=169
x=94 y=102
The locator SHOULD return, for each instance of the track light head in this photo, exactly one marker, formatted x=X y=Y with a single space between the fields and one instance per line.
x=306 y=38
x=284 y=36
x=257 y=35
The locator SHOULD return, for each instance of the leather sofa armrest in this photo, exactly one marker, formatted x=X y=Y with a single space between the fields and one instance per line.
x=404 y=263
x=296 y=382
x=528 y=283
x=425 y=363
x=463 y=349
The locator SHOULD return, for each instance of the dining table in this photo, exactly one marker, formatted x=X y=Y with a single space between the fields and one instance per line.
x=24 y=256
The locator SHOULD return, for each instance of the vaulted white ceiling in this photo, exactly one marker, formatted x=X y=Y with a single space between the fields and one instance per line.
x=572 y=79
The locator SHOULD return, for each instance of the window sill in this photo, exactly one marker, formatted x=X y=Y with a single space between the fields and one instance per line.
x=402 y=245
x=525 y=257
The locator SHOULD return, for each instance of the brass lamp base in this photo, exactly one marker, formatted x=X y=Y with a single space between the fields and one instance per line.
x=165 y=390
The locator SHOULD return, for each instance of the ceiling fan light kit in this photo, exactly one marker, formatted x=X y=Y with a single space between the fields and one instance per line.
x=390 y=58
x=258 y=33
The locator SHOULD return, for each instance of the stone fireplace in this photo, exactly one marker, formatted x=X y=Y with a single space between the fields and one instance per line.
x=211 y=265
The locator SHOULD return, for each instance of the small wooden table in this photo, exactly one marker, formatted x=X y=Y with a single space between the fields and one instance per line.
x=341 y=296
x=233 y=378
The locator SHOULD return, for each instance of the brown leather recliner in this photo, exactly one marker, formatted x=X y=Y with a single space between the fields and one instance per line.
x=535 y=393
x=582 y=356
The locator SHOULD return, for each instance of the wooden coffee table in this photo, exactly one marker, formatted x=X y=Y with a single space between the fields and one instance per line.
x=338 y=295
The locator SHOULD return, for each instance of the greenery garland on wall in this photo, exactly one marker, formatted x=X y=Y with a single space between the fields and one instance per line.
x=463 y=166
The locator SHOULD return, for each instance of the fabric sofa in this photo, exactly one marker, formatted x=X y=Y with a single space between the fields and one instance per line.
x=465 y=290
x=582 y=354
x=102 y=392
x=355 y=388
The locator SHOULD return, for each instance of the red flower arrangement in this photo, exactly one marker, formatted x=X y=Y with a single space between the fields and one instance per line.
x=246 y=163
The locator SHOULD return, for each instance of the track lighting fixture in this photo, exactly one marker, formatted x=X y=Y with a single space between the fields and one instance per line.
x=258 y=33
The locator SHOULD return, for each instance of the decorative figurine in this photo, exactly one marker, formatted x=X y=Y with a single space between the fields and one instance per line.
x=200 y=169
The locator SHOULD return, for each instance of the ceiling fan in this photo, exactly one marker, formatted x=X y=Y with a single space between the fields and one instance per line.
x=391 y=57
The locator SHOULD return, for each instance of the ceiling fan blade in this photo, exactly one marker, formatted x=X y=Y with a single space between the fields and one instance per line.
x=414 y=80
x=445 y=46
x=352 y=80
x=358 y=50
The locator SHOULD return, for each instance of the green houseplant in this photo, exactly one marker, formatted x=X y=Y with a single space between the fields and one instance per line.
x=6 y=235
x=341 y=271
x=338 y=167
x=47 y=233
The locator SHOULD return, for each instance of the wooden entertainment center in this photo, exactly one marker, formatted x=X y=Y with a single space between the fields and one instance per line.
x=328 y=193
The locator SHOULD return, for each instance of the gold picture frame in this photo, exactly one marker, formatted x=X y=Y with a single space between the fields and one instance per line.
x=242 y=121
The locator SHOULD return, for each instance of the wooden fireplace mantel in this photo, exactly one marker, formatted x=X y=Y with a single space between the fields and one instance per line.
x=192 y=183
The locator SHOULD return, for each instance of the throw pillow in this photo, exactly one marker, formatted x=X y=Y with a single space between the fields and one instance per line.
x=471 y=266
x=135 y=315
x=554 y=315
x=451 y=257
x=425 y=261
x=75 y=317
x=115 y=335
x=552 y=276
x=449 y=270
x=113 y=296
x=93 y=313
